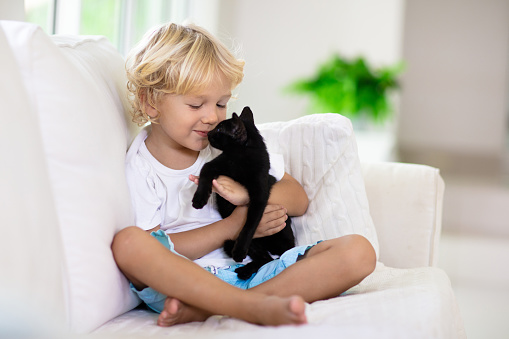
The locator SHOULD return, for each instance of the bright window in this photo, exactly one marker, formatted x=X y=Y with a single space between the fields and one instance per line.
x=123 y=22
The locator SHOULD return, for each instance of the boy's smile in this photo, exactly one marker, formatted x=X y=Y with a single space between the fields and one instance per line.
x=202 y=133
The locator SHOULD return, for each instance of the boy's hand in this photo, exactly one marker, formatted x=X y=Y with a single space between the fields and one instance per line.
x=273 y=220
x=228 y=188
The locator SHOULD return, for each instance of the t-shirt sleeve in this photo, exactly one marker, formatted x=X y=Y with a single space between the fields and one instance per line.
x=277 y=166
x=146 y=198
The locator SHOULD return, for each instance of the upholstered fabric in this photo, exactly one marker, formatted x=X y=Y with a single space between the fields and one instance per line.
x=64 y=195
x=389 y=304
x=399 y=194
x=75 y=96
x=30 y=243
x=320 y=151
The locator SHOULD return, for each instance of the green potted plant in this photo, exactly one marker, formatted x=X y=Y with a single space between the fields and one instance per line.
x=350 y=87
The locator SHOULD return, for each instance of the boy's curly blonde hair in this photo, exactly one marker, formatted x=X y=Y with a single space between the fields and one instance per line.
x=176 y=59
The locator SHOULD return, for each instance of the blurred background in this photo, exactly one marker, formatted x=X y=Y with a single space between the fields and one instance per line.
x=448 y=108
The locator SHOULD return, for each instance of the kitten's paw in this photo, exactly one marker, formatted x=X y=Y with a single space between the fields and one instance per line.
x=245 y=272
x=228 y=247
x=199 y=200
x=239 y=254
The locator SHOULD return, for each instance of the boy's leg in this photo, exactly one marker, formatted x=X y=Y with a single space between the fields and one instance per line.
x=146 y=262
x=327 y=270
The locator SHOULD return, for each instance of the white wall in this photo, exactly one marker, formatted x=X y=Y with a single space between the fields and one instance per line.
x=12 y=10
x=286 y=39
x=454 y=98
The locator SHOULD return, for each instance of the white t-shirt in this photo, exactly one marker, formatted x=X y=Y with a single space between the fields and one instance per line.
x=163 y=196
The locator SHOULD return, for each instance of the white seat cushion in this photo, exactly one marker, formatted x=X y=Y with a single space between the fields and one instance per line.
x=391 y=303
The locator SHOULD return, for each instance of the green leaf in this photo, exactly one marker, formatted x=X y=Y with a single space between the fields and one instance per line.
x=350 y=87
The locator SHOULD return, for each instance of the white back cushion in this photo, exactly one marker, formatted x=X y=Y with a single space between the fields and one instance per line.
x=73 y=89
x=320 y=151
x=30 y=244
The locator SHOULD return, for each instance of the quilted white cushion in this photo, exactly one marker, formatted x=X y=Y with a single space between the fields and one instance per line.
x=84 y=139
x=320 y=151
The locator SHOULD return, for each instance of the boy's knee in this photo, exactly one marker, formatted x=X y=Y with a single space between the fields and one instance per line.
x=360 y=255
x=124 y=239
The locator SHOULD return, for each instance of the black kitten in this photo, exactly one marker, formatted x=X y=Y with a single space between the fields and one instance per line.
x=244 y=159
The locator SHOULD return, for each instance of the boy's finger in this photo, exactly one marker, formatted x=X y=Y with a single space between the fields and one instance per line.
x=277 y=228
x=273 y=208
x=276 y=220
x=217 y=187
x=194 y=178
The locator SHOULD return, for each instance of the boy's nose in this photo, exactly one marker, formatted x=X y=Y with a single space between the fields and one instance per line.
x=211 y=116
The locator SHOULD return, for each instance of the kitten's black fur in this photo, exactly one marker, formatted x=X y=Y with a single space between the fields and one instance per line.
x=244 y=159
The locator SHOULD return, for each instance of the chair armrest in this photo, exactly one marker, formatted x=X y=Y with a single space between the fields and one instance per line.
x=406 y=206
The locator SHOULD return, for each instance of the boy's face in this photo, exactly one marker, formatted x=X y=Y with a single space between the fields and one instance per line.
x=185 y=120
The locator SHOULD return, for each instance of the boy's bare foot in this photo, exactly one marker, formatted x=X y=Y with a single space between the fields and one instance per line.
x=297 y=307
x=282 y=311
x=271 y=310
x=175 y=312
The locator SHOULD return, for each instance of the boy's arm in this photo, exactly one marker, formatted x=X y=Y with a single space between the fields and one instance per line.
x=196 y=243
x=287 y=197
x=289 y=193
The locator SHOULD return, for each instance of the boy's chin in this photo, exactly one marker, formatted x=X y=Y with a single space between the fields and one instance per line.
x=201 y=147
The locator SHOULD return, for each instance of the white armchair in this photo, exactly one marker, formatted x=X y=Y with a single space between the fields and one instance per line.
x=63 y=139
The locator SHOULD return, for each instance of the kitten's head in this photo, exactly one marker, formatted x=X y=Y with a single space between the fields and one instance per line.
x=231 y=132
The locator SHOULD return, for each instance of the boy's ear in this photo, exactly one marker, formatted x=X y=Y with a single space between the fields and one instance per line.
x=247 y=114
x=149 y=109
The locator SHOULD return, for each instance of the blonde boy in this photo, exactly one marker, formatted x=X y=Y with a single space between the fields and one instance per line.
x=181 y=78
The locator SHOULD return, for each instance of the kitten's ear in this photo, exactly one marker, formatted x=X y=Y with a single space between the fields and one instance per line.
x=238 y=130
x=247 y=114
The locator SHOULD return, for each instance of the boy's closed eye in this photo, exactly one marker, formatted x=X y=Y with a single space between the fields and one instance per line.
x=199 y=106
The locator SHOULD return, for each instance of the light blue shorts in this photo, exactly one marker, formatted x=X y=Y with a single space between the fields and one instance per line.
x=155 y=300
